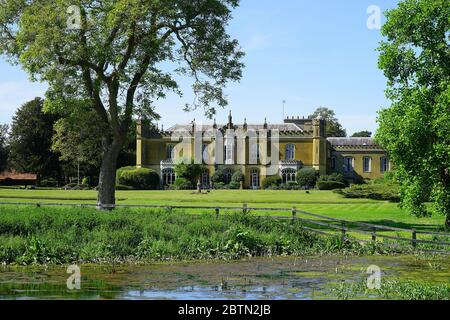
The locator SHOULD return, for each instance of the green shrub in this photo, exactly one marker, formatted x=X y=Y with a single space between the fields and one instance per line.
x=183 y=184
x=234 y=185
x=238 y=177
x=139 y=178
x=307 y=177
x=218 y=176
x=189 y=171
x=123 y=169
x=385 y=192
x=337 y=177
x=330 y=185
x=271 y=182
x=219 y=185
x=48 y=183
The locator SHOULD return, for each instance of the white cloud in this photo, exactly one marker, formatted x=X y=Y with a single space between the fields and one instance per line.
x=15 y=93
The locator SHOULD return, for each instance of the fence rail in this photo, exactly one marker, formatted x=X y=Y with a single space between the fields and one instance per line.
x=343 y=226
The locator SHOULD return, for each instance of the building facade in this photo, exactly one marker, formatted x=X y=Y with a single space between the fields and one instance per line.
x=258 y=151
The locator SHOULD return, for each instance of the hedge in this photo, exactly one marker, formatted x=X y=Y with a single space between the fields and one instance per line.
x=330 y=185
x=138 y=178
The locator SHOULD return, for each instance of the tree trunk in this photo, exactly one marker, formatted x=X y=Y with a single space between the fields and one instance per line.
x=107 y=180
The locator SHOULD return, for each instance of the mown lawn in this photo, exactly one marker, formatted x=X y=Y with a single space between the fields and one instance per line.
x=320 y=202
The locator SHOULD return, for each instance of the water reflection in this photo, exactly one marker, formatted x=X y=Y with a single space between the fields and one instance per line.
x=280 y=278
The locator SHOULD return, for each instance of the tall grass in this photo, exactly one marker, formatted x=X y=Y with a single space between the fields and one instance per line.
x=62 y=235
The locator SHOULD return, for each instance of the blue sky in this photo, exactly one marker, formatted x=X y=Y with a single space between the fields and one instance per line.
x=310 y=53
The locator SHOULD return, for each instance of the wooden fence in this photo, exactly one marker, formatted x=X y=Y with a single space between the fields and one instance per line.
x=321 y=224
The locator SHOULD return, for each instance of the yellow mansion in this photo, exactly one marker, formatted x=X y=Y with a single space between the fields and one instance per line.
x=259 y=151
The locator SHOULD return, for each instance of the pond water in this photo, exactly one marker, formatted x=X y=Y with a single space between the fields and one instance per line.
x=300 y=278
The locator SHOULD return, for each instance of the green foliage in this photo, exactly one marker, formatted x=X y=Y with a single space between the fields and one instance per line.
x=118 y=65
x=234 y=185
x=218 y=176
x=415 y=129
x=183 y=184
x=336 y=177
x=189 y=171
x=30 y=235
x=394 y=289
x=48 y=183
x=271 y=181
x=330 y=185
x=386 y=192
x=78 y=137
x=307 y=177
x=139 y=178
x=30 y=140
x=362 y=134
x=334 y=128
x=4 y=146
x=238 y=177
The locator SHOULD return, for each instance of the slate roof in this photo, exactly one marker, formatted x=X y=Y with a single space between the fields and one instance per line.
x=280 y=127
x=354 y=143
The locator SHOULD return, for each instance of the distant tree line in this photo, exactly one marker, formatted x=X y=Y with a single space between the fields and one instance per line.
x=58 y=148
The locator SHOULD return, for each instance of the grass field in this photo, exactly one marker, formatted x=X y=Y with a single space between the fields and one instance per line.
x=320 y=202
x=15 y=218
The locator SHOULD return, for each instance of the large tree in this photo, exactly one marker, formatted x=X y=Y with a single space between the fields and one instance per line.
x=4 y=146
x=415 y=129
x=123 y=55
x=30 y=140
x=334 y=128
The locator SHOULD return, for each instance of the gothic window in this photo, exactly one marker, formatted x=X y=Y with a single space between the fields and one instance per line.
x=288 y=175
x=205 y=178
x=227 y=175
x=254 y=181
x=168 y=177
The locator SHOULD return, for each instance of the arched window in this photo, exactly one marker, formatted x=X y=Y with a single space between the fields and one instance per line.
x=290 y=152
x=288 y=175
x=205 y=178
x=168 y=177
x=254 y=178
x=227 y=175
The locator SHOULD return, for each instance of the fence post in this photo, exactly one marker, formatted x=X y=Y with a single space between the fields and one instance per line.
x=343 y=231
x=244 y=208
x=217 y=213
x=294 y=213
x=414 y=238
x=374 y=234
